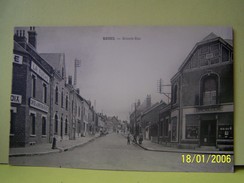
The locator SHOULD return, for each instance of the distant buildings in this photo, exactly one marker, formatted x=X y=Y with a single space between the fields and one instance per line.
x=200 y=113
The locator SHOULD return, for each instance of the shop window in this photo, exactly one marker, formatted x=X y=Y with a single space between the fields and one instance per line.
x=33 y=85
x=166 y=127
x=56 y=124
x=56 y=95
x=225 y=132
x=44 y=93
x=44 y=131
x=33 y=124
x=209 y=90
x=192 y=127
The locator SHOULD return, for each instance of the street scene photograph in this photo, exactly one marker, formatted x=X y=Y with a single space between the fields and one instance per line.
x=134 y=98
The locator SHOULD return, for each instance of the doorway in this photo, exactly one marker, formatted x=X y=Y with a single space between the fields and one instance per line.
x=208 y=133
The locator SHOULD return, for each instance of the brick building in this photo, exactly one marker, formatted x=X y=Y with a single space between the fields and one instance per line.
x=31 y=88
x=59 y=96
x=202 y=96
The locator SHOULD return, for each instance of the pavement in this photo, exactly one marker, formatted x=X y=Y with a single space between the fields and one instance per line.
x=150 y=146
x=46 y=148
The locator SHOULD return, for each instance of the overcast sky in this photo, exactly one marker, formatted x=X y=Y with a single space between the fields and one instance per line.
x=117 y=72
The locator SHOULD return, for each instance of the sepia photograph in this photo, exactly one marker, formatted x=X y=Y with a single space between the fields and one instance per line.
x=134 y=98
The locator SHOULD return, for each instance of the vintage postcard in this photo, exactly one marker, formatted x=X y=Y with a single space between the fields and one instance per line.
x=123 y=98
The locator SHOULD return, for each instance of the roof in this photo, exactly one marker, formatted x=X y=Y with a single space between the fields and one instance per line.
x=17 y=47
x=209 y=38
x=56 y=60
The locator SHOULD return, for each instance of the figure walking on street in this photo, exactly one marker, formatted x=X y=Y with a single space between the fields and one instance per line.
x=128 y=139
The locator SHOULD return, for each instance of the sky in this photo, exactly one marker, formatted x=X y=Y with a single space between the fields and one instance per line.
x=116 y=73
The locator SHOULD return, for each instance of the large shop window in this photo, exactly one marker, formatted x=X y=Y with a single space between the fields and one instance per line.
x=56 y=124
x=192 y=127
x=209 y=85
x=166 y=127
x=225 y=132
x=33 y=124
x=44 y=126
x=33 y=85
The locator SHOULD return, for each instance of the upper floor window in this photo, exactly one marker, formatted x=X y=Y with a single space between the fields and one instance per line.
x=44 y=93
x=62 y=99
x=175 y=94
x=66 y=102
x=56 y=95
x=33 y=86
x=209 y=89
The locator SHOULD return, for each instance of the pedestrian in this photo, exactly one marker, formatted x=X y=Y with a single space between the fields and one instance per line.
x=128 y=139
x=140 y=138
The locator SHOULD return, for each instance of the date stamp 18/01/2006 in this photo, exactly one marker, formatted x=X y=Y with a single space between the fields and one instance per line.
x=206 y=158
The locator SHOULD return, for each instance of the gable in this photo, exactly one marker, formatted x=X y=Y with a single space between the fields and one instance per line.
x=208 y=54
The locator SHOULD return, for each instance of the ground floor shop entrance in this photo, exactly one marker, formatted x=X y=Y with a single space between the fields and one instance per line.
x=208 y=133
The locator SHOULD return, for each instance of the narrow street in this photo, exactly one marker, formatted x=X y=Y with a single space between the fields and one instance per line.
x=112 y=152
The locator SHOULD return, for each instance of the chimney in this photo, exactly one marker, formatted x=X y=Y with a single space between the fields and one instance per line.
x=70 y=80
x=20 y=38
x=32 y=36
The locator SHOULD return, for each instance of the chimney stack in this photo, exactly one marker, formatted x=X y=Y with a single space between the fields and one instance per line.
x=20 y=38
x=32 y=36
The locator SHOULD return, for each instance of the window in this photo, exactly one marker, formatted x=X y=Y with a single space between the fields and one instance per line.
x=33 y=124
x=66 y=127
x=44 y=93
x=66 y=102
x=174 y=132
x=192 y=127
x=209 y=90
x=166 y=127
x=175 y=94
x=12 y=122
x=56 y=124
x=33 y=85
x=225 y=54
x=56 y=95
x=61 y=129
x=62 y=72
x=44 y=126
x=62 y=99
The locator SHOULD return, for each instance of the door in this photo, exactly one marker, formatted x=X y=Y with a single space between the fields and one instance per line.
x=208 y=133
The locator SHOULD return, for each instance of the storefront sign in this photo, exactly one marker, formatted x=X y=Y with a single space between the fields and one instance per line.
x=208 y=109
x=18 y=59
x=38 y=105
x=40 y=72
x=17 y=99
